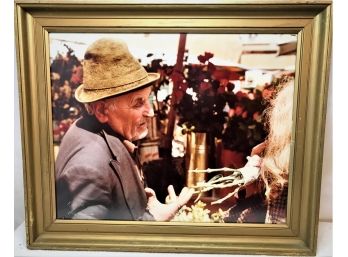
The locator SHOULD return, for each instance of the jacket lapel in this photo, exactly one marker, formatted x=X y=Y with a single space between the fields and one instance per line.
x=128 y=174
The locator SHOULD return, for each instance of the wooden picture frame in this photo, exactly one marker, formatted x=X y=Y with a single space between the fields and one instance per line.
x=310 y=20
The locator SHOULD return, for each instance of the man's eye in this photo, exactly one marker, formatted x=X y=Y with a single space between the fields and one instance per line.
x=139 y=104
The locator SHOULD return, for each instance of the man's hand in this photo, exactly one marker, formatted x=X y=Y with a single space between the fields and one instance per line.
x=165 y=212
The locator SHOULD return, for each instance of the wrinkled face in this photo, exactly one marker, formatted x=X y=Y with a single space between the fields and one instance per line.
x=128 y=114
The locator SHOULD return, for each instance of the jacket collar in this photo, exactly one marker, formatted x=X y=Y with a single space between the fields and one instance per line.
x=90 y=123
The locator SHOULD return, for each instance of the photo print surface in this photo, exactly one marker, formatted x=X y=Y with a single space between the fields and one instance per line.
x=172 y=127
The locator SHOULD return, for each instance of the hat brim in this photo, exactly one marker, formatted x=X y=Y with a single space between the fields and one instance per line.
x=87 y=96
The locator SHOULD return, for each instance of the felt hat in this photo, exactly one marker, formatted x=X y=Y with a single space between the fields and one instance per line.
x=109 y=69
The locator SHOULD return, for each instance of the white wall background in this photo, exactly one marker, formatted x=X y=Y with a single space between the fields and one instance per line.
x=18 y=163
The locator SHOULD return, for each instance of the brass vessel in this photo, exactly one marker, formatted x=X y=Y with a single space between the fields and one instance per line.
x=196 y=157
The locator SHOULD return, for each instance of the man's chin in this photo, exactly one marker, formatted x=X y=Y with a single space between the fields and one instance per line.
x=141 y=135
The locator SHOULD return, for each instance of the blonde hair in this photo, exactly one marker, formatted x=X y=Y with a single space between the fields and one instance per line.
x=275 y=165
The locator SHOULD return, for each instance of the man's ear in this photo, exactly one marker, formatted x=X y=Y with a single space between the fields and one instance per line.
x=101 y=112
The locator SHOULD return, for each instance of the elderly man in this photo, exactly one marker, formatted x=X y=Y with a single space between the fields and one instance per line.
x=97 y=176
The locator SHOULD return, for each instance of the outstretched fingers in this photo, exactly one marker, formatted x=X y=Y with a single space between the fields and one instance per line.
x=171 y=194
x=185 y=195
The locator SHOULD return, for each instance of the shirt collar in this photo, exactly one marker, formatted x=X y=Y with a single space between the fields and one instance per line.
x=130 y=146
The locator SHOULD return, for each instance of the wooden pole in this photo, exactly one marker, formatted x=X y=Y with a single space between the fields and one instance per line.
x=172 y=113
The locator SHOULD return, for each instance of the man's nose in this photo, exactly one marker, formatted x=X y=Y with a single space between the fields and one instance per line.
x=149 y=111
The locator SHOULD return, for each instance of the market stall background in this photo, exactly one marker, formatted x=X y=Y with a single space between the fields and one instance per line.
x=211 y=95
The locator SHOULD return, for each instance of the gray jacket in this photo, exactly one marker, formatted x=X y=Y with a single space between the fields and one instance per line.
x=96 y=177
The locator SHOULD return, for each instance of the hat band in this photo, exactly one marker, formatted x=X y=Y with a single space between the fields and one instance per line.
x=93 y=80
x=114 y=87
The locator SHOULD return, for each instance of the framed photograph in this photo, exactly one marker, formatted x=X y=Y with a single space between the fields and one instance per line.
x=154 y=126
